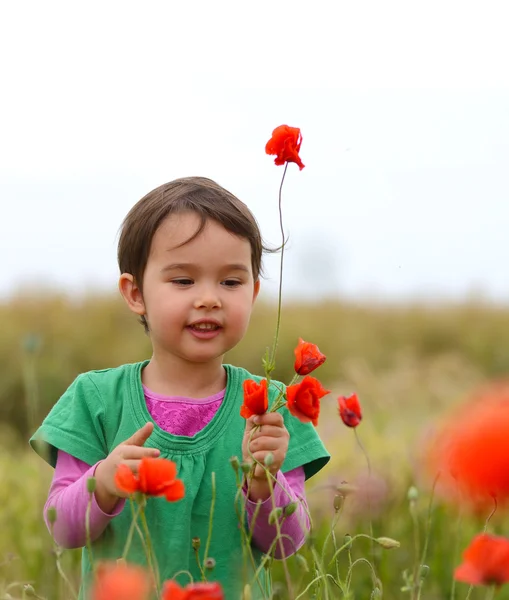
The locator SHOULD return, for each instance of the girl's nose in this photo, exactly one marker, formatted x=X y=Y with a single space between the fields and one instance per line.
x=207 y=298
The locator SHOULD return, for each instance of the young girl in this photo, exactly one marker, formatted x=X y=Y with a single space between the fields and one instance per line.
x=190 y=258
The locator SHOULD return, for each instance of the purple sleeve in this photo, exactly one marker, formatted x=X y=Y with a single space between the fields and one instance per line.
x=295 y=526
x=69 y=496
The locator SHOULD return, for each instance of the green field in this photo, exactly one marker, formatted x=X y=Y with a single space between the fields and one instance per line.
x=409 y=364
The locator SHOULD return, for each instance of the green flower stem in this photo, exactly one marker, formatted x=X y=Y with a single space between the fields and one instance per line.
x=211 y=518
x=417 y=548
x=198 y=562
x=370 y=520
x=272 y=360
x=331 y=534
x=315 y=580
x=246 y=539
x=490 y=593
x=87 y=530
x=278 y=536
x=135 y=515
x=356 y=562
x=152 y=562
x=58 y=553
x=428 y=532
x=346 y=545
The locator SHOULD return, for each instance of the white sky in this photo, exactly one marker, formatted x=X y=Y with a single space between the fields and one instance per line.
x=403 y=106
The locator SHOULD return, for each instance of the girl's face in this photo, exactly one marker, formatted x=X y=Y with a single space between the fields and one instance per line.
x=198 y=296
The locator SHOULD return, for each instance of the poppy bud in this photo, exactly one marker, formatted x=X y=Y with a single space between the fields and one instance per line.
x=338 y=502
x=91 y=485
x=246 y=594
x=423 y=572
x=196 y=543
x=51 y=514
x=246 y=467
x=289 y=509
x=234 y=461
x=387 y=543
x=269 y=459
x=348 y=541
x=275 y=515
x=29 y=591
x=209 y=563
x=413 y=494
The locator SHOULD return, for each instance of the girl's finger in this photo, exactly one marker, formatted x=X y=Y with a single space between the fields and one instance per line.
x=273 y=418
x=269 y=431
x=265 y=445
x=139 y=452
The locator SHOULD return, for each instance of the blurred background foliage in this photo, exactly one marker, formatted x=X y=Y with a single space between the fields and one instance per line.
x=409 y=363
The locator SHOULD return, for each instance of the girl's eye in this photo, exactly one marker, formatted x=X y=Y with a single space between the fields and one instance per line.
x=182 y=282
x=231 y=283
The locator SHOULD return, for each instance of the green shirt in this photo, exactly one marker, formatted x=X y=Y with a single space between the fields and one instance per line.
x=101 y=409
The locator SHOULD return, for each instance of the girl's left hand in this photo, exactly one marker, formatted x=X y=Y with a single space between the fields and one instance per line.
x=271 y=437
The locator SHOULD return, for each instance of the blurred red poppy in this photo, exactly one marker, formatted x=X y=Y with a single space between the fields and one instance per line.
x=307 y=357
x=193 y=591
x=285 y=144
x=485 y=561
x=256 y=399
x=350 y=410
x=120 y=582
x=471 y=450
x=156 y=477
x=303 y=399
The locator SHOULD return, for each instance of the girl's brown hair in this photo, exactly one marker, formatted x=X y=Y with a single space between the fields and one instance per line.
x=195 y=194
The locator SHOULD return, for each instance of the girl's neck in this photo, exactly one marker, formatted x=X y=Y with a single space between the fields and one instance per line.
x=170 y=376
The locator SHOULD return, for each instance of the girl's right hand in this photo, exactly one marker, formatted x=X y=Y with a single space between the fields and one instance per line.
x=128 y=453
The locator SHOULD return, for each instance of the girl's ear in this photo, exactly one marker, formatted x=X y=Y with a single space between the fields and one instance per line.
x=131 y=293
x=256 y=290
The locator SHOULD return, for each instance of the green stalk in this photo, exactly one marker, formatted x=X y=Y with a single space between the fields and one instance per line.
x=272 y=360
x=135 y=515
x=87 y=530
x=211 y=516
x=152 y=562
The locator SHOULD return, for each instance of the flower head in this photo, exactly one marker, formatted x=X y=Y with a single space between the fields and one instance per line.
x=471 y=450
x=350 y=410
x=307 y=357
x=285 y=144
x=485 y=561
x=193 y=591
x=156 y=477
x=256 y=399
x=303 y=399
x=120 y=582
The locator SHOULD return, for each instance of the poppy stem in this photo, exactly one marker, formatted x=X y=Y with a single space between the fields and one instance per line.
x=152 y=562
x=130 y=533
x=368 y=462
x=428 y=531
x=211 y=518
x=272 y=362
x=87 y=530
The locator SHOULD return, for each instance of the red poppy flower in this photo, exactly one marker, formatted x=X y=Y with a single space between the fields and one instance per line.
x=471 y=451
x=285 y=144
x=307 y=357
x=303 y=399
x=156 y=477
x=485 y=561
x=350 y=410
x=120 y=582
x=256 y=399
x=193 y=591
